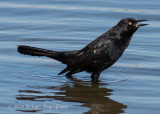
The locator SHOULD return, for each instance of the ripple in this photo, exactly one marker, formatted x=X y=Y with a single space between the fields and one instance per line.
x=138 y=65
x=13 y=5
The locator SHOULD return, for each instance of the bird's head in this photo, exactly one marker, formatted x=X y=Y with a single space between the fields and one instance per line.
x=129 y=25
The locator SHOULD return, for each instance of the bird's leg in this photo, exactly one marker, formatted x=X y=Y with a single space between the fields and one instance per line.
x=70 y=73
x=95 y=76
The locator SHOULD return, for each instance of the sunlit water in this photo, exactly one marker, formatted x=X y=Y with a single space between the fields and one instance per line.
x=31 y=84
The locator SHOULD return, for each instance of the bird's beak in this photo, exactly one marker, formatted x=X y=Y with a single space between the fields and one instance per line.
x=138 y=24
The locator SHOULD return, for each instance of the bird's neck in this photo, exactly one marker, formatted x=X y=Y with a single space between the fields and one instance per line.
x=122 y=38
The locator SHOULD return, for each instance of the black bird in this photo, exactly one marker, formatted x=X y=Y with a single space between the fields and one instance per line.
x=97 y=55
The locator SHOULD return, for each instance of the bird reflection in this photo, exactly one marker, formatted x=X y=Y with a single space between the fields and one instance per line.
x=91 y=95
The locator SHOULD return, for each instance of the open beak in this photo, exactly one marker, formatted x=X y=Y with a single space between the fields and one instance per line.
x=138 y=24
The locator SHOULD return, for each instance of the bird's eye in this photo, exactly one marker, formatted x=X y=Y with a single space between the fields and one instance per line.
x=130 y=23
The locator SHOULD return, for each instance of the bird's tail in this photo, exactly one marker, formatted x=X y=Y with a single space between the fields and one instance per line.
x=33 y=51
x=63 y=57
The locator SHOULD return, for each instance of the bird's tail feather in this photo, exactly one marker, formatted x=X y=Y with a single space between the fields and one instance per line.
x=33 y=51
x=64 y=57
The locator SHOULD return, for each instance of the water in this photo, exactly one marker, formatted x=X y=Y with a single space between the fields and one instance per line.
x=31 y=84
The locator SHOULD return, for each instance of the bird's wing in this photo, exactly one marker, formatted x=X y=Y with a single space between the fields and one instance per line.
x=93 y=52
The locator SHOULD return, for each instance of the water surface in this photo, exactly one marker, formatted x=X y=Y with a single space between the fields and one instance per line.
x=31 y=84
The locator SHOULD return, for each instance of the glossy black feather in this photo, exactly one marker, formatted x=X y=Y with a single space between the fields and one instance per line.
x=97 y=55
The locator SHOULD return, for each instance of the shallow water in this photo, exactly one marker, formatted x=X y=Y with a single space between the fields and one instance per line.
x=31 y=84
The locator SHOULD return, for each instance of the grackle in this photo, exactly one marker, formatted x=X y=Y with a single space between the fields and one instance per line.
x=97 y=55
